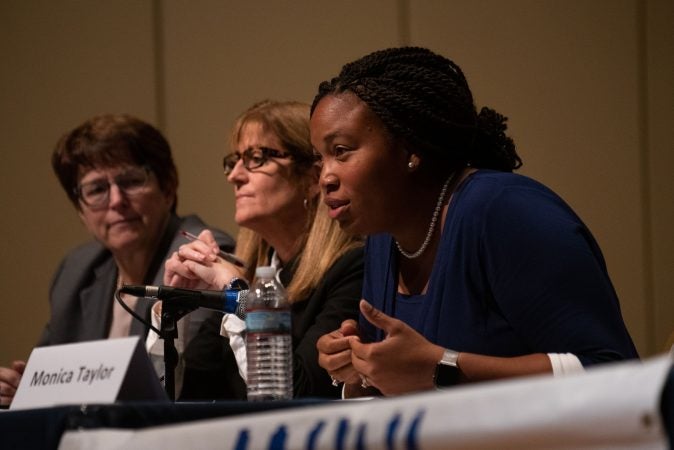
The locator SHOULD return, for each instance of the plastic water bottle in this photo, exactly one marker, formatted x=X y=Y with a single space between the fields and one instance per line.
x=268 y=339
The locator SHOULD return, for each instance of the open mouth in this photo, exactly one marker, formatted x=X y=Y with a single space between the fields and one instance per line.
x=336 y=207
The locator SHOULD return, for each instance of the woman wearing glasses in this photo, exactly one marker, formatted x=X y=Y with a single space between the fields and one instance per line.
x=284 y=224
x=119 y=174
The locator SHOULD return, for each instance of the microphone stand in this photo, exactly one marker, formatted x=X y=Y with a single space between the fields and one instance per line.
x=171 y=312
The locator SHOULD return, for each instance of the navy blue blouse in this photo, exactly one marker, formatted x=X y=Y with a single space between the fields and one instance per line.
x=517 y=272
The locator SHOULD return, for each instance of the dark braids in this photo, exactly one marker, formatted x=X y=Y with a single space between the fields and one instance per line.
x=423 y=98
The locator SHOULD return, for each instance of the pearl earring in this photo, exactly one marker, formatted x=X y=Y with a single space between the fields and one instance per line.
x=410 y=165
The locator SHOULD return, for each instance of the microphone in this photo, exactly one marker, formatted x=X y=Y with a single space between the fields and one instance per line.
x=229 y=301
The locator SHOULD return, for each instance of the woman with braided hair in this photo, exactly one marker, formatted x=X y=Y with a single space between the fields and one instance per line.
x=472 y=272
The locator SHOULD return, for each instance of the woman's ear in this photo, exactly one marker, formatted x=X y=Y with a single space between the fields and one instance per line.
x=171 y=198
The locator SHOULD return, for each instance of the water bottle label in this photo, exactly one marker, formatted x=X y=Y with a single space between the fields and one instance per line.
x=266 y=321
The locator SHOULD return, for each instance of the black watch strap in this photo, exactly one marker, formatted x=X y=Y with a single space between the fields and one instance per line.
x=447 y=371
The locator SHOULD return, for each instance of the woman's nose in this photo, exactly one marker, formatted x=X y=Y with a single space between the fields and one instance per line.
x=115 y=196
x=329 y=182
x=238 y=173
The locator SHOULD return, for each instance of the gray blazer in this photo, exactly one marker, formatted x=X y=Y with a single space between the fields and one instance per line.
x=82 y=290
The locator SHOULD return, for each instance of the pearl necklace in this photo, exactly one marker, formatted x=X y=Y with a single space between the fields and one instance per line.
x=434 y=219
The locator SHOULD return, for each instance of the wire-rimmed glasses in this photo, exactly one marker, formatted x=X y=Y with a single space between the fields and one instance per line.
x=96 y=194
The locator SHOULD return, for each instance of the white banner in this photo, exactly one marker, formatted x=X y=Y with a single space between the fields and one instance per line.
x=614 y=406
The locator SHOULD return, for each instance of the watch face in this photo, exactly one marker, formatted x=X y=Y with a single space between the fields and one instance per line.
x=237 y=284
x=446 y=376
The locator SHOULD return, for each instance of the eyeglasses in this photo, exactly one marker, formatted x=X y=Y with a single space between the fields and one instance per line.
x=97 y=193
x=252 y=158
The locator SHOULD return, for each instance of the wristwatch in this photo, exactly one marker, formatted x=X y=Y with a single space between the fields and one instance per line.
x=237 y=284
x=447 y=371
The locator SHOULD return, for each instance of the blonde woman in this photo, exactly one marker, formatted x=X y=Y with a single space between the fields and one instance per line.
x=275 y=181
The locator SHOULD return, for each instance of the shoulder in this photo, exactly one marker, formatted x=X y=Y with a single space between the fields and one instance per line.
x=352 y=258
x=495 y=194
x=79 y=267
x=517 y=215
x=486 y=184
x=85 y=255
x=347 y=267
x=345 y=274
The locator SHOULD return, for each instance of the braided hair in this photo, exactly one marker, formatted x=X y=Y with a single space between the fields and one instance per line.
x=423 y=99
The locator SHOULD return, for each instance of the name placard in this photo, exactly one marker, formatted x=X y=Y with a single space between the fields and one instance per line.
x=100 y=372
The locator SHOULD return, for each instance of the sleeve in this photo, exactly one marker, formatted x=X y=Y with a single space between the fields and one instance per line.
x=211 y=371
x=45 y=337
x=564 y=364
x=84 y=267
x=337 y=298
x=549 y=279
x=234 y=329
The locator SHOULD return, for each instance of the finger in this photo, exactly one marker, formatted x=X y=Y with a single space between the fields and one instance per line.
x=9 y=379
x=346 y=374
x=175 y=266
x=333 y=362
x=179 y=281
x=7 y=390
x=334 y=354
x=360 y=362
x=9 y=384
x=197 y=251
x=377 y=317
x=332 y=343
x=181 y=269
x=214 y=275
x=19 y=366
x=326 y=338
x=173 y=281
x=349 y=328
x=169 y=274
x=207 y=237
x=359 y=350
x=339 y=367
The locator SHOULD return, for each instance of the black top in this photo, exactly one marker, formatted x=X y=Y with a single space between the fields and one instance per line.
x=211 y=371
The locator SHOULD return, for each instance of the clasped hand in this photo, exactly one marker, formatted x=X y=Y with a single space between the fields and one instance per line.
x=403 y=362
x=196 y=265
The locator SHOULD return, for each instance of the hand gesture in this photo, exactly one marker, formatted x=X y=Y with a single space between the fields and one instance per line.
x=403 y=362
x=334 y=353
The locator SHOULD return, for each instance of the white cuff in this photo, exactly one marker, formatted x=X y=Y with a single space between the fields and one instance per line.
x=565 y=363
x=152 y=336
